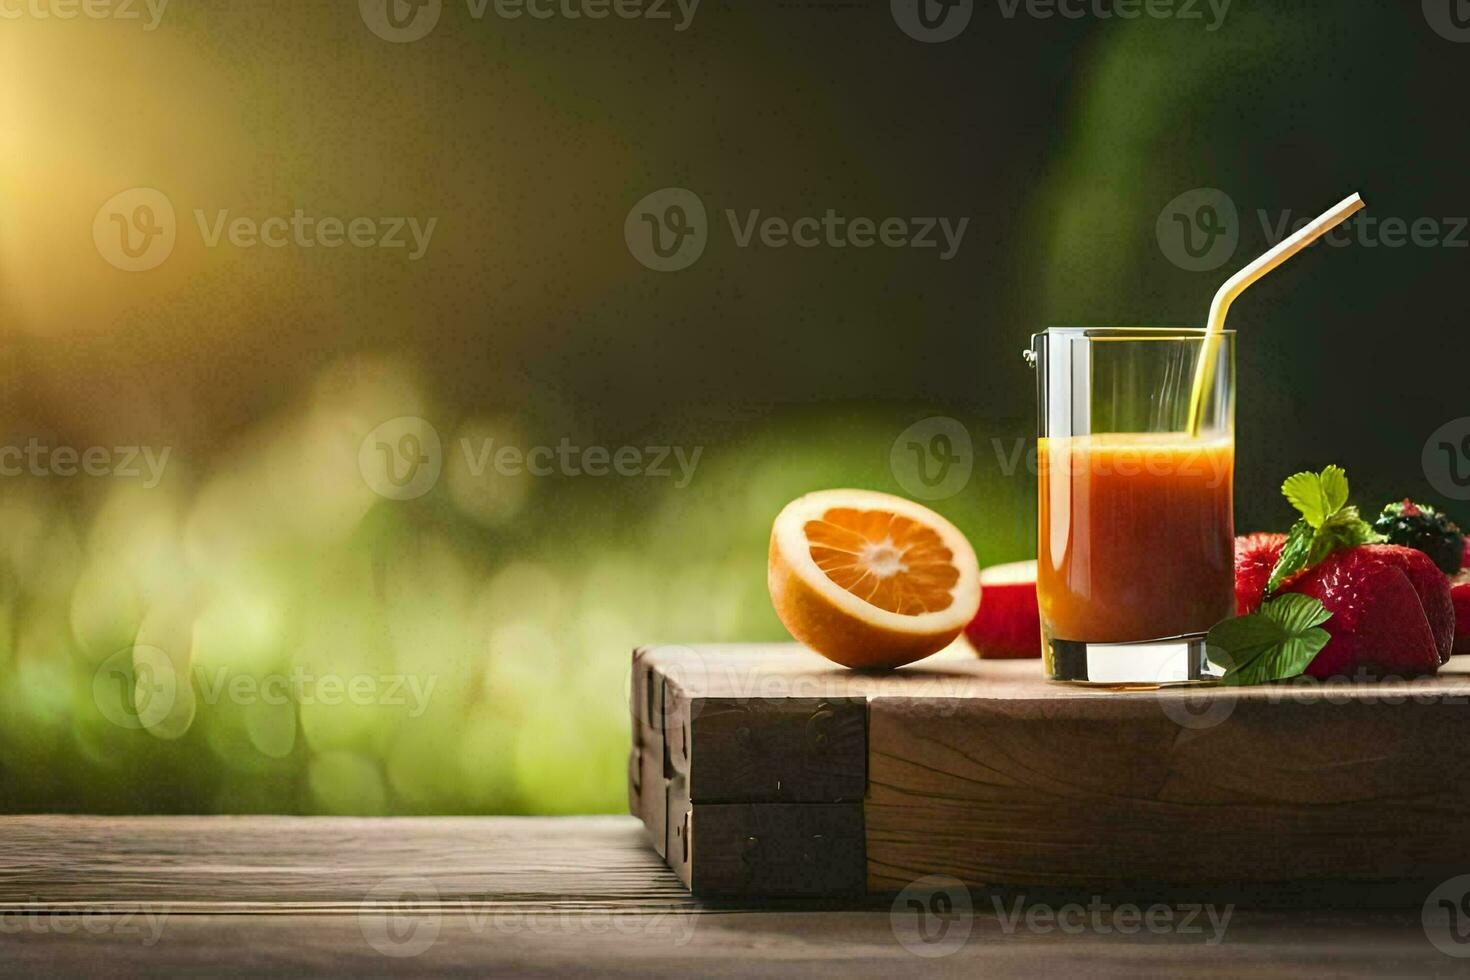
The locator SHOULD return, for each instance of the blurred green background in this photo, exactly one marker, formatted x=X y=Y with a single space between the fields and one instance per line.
x=486 y=624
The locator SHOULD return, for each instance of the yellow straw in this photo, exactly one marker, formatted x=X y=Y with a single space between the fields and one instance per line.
x=1242 y=281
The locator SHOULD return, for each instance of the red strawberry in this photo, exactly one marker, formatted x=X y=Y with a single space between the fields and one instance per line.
x=1460 y=596
x=1432 y=587
x=1386 y=611
x=1255 y=556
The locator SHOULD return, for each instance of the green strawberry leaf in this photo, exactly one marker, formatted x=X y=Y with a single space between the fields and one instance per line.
x=1327 y=523
x=1294 y=555
x=1317 y=495
x=1276 y=643
x=1343 y=529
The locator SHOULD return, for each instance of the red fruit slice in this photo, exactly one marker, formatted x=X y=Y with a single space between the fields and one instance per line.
x=1378 y=623
x=1255 y=556
x=1460 y=598
x=1008 y=625
x=1432 y=587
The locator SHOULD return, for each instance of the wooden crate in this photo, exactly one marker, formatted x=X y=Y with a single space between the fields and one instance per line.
x=765 y=771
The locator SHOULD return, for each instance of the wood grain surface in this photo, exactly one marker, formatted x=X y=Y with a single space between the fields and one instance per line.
x=985 y=771
x=270 y=863
x=251 y=896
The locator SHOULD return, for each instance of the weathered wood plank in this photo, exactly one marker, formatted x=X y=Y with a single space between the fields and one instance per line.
x=856 y=944
x=551 y=896
x=985 y=771
x=226 y=863
x=1116 y=791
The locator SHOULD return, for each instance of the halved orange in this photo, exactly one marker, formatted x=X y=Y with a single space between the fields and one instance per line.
x=869 y=579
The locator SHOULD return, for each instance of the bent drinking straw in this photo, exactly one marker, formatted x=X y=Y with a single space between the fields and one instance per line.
x=1240 y=282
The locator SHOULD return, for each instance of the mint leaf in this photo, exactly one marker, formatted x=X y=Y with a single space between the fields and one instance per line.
x=1294 y=555
x=1276 y=643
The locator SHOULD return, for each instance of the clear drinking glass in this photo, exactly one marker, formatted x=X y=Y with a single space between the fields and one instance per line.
x=1135 y=554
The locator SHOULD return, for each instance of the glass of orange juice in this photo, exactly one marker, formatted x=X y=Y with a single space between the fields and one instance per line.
x=1136 y=466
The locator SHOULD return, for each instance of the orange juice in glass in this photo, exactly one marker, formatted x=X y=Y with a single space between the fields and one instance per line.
x=1136 y=465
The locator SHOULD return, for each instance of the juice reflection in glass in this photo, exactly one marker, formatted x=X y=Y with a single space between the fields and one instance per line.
x=1135 y=556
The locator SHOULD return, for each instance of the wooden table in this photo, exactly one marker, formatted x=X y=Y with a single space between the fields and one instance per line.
x=105 y=896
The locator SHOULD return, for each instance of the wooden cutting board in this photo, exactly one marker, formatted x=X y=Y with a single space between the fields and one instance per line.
x=764 y=770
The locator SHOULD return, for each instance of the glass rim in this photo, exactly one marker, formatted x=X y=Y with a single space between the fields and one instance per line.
x=1133 y=333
